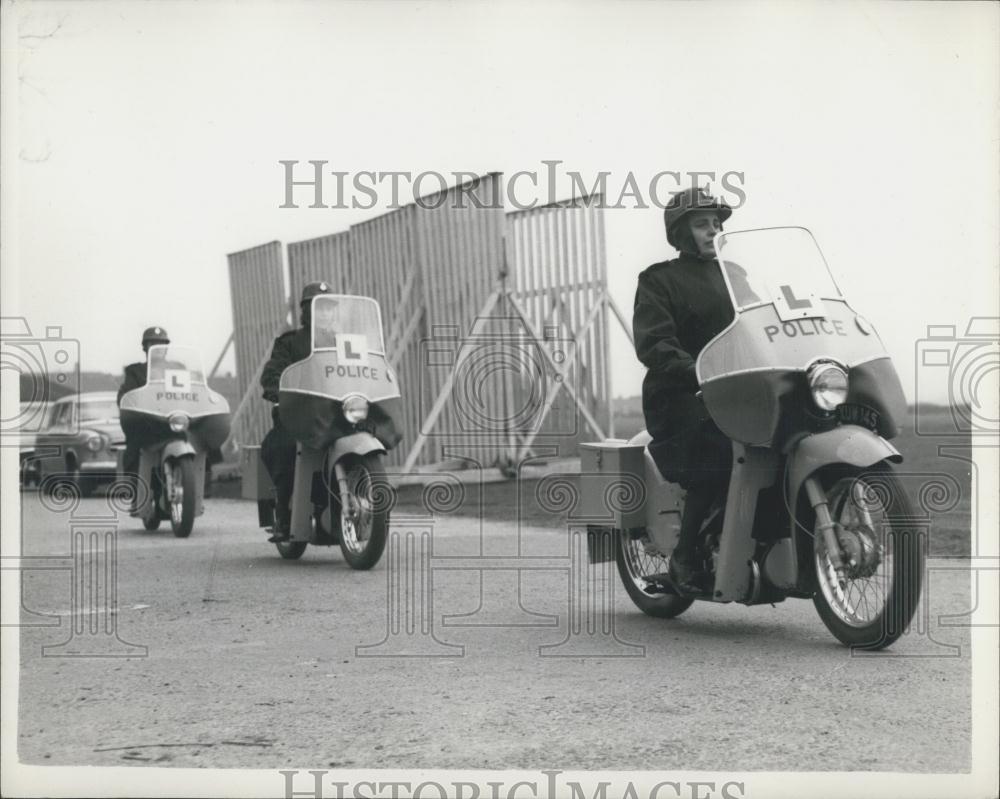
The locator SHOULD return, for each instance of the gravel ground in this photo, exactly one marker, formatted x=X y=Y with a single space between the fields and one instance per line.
x=253 y=661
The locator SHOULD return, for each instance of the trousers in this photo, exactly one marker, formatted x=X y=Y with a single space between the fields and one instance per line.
x=277 y=450
x=687 y=447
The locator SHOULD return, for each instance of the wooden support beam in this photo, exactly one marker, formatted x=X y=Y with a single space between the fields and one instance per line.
x=222 y=355
x=397 y=350
x=560 y=371
x=621 y=318
x=404 y=299
x=444 y=394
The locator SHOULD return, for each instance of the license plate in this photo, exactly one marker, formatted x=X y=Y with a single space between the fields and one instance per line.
x=859 y=415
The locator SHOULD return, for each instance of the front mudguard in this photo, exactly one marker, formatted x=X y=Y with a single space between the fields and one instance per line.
x=175 y=449
x=354 y=444
x=848 y=444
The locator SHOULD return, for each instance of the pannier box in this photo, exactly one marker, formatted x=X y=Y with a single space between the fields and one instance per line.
x=256 y=481
x=612 y=488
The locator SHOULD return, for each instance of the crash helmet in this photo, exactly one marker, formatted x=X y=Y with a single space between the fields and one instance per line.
x=683 y=203
x=314 y=290
x=154 y=335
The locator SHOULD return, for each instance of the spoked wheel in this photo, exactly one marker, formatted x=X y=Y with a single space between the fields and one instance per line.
x=873 y=601
x=643 y=571
x=365 y=522
x=179 y=473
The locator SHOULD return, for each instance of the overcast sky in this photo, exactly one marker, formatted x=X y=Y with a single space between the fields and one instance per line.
x=143 y=139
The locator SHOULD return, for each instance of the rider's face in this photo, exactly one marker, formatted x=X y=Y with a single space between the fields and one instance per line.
x=326 y=315
x=705 y=226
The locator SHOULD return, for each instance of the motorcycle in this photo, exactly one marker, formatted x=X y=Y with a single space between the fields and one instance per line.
x=806 y=391
x=339 y=405
x=176 y=419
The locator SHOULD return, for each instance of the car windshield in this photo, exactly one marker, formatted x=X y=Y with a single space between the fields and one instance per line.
x=775 y=266
x=98 y=410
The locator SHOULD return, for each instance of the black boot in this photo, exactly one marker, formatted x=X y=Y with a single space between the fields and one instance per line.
x=686 y=573
x=686 y=570
x=282 y=523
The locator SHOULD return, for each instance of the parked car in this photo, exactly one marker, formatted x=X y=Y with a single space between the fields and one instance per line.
x=81 y=438
x=31 y=418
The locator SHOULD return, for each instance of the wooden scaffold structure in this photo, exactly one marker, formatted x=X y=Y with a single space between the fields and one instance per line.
x=497 y=324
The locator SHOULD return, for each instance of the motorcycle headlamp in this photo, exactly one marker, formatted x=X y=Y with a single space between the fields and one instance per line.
x=355 y=409
x=179 y=422
x=828 y=384
x=94 y=443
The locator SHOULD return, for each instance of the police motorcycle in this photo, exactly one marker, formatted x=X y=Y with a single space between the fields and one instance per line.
x=806 y=391
x=177 y=419
x=339 y=405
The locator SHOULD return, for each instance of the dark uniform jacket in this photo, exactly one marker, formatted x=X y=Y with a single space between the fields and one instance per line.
x=135 y=377
x=289 y=348
x=680 y=305
x=139 y=431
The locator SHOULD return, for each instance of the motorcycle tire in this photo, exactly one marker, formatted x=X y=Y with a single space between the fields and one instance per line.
x=153 y=522
x=635 y=566
x=291 y=550
x=183 y=522
x=366 y=476
x=895 y=558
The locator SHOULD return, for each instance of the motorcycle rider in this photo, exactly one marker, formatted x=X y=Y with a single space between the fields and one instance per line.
x=136 y=433
x=325 y=324
x=277 y=450
x=680 y=305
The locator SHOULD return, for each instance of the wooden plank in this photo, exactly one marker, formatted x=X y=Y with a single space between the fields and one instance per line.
x=442 y=397
x=559 y=385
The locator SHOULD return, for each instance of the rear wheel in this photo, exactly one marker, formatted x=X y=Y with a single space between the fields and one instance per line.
x=181 y=494
x=643 y=572
x=365 y=524
x=873 y=601
x=291 y=550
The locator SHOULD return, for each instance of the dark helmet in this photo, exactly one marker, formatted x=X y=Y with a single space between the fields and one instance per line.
x=684 y=202
x=154 y=335
x=314 y=290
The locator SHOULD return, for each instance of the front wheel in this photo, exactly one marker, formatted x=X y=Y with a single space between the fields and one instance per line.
x=364 y=523
x=152 y=522
x=871 y=603
x=181 y=495
x=643 y=572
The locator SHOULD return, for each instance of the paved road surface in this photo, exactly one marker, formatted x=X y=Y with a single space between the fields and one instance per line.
x=252 y=661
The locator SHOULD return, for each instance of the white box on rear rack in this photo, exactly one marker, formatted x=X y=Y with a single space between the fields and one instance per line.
x=612 y=488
